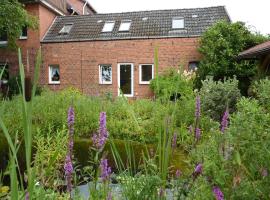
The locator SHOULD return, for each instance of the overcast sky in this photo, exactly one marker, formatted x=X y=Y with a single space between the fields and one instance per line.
x=255 y=13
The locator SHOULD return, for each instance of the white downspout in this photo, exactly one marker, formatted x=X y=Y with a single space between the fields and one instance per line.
x=84 y=6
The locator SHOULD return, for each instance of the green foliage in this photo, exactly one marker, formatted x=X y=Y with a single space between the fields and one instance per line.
x=172 y=84
x=220 y=45
x=236 y=159
x=50 y=157
x=216 y=96
x=13 y=18
x=261 y=91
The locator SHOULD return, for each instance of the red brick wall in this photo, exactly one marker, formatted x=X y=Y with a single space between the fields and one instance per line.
x=79 y=61
x=31 y=44
x=46 y=18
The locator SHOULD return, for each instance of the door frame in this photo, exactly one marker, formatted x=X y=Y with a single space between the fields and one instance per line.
x=132 y=79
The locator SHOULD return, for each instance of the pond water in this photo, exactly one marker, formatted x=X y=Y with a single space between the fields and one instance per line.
x=82 y=154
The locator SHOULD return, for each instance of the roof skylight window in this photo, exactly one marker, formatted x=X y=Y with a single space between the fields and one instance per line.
x=178 y=23
x=66 y=29
x=125 y=25
x=108 y=26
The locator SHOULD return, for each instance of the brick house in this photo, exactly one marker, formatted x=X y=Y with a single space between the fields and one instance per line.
x=45 y=11
x=115 y=52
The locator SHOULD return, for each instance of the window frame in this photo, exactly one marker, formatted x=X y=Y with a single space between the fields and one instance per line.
x=24 y=37
x=140 y=74
x=132 y=79
x=178 y=18
x=100 y=75
x=4 y=42
x=125 y=22
x=108 y=22
x=62 y=32
x=50 y=75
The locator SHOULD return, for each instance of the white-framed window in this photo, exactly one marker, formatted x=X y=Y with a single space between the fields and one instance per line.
x=105 y=74
x=54 y=74
x=146 y=73
x=125 y=25
x=23 y=35
x=66 y=29
x=108 y=26
x=178 y=23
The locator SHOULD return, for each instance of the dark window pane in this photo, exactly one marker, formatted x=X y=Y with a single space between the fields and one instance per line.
x=146 y=72
x=193 y=66
x=125 y=79
x=24 y=32
x=3 y=36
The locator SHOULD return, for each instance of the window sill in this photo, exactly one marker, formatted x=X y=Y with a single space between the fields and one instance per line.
x=54 y=83
x=144 y=83
x=23 y=38
x=105 y=83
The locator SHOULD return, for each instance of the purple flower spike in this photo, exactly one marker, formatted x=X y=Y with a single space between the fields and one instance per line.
x=224 y=121
x=100 y=139
x=161 y=192
x=174 y=141
x=178 y=173
x=68 y=172
x=198 y=107
x=190 y=129
x=105 y=170
x=198 y=168
x=109 y=197
x=197 y=133
x=71 y=119
x=264 y=172
x=27 y=196
x=218 y=193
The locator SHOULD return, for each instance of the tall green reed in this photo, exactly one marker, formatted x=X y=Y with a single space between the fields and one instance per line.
x=27 y=91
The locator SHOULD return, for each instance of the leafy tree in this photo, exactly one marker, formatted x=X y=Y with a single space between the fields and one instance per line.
x=13 y=17
x=220 y=46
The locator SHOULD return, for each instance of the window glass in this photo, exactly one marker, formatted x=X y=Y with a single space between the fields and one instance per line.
x=24 y=33
x=54 y=76
x=146 y=73
x=178 y=23
x=105 y=72
x=125 y=26
x=66 y=29
x=193 y=66
x=108 y=27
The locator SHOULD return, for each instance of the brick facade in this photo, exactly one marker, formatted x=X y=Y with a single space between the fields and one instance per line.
x=79 y=61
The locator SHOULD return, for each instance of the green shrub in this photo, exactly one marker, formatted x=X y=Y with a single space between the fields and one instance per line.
x=216 y=96
x=261 y=90
x=219 y=45
x=173 y=84
x=235 y=160
x=50 y=151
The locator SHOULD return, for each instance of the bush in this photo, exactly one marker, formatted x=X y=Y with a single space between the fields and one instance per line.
x=261 y=91
x=216 y=96
x=173 y=84
x=219 y=46
x=238 y=160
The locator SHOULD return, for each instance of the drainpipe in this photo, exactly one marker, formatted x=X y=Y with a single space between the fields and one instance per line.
x=84 y=6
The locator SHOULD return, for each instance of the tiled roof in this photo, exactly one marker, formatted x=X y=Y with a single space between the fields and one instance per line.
x=256 y=51
x=145 y=24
